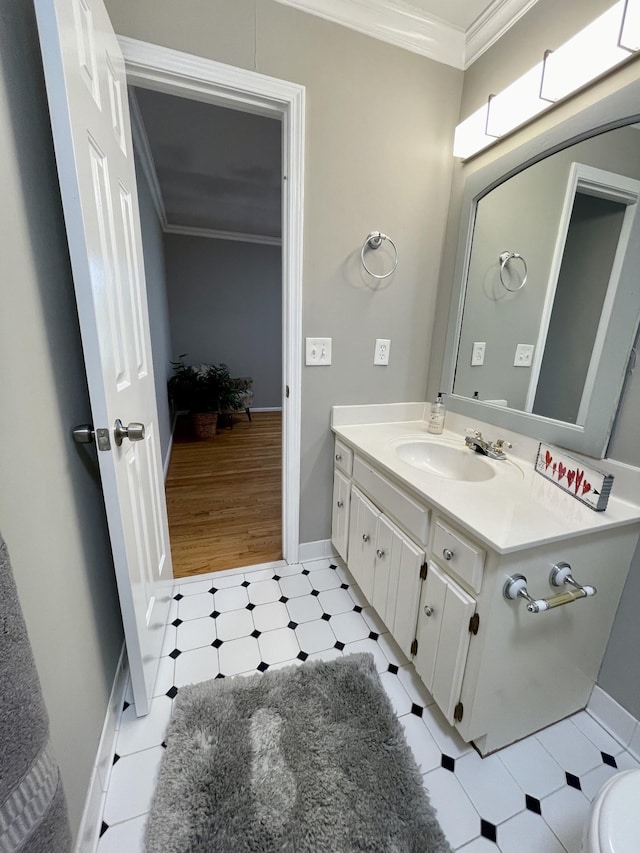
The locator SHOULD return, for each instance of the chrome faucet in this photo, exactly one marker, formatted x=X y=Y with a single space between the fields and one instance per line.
x=494 y=450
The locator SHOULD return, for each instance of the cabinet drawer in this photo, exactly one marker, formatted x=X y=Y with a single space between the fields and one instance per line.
x=458 y=554
x=344 y=458
x=392 y=500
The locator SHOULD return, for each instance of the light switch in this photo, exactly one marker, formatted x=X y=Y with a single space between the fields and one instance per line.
x=524 y=355
x=477 y=353
x=318 y=352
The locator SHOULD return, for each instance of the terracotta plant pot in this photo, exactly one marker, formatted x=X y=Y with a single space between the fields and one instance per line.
x=204 y=424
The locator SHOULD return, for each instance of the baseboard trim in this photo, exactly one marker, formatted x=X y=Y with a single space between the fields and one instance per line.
x=91 y=821
x=167 y=458
x=316 y=550
x=620 y=724
x=266 y=409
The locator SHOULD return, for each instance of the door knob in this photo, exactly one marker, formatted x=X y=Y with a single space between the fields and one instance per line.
x=134 y=432
x=83 y=434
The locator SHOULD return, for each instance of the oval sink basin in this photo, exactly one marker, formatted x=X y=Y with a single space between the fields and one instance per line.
x=454 y=463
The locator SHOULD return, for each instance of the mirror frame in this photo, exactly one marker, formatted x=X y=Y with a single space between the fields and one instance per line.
x=617 y=109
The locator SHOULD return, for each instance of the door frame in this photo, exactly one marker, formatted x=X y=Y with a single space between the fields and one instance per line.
x=162 y=69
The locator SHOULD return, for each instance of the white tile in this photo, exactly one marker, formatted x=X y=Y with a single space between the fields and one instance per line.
x=335 y=601
x=261 y=575
x=234 y=624
x=239 y=656
x=326 y=655
x=634 y=743
x=349 y=627
x=287 y=571
x=392 y=650
x=227 y=581
x=233 y=598
x=195 y=606
x=196 y=633
x=173 y=611
x=319 y=565
x=169 y=642
x=138 y=733
x=196 y=665
x=295 y=585
x=615 y=719
x=165 y=676
x=626 y=761
x=127 y=836
x=371 y=646
x=315 y=636
x=357 y=595
x=456 y=815
x=567 y=812
x=527 y=833
x=479 y=845
x=374 y=622
x=195 y=587
x=276 y=646
x=537 y=773
x=592 y=781
x=268 y=617
x=325 y=579
x=285 y=663
x=396 y=692
x=573 y=750
x=596 y=733
x=304 y=609
x=444 y=735
x=492 y=790
x=425 y=751
x=344 y=574
x=411 y=682
x=264 y=592
x=133 y=780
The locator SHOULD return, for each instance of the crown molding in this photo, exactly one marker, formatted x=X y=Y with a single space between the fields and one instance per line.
x=494 y=22
x=213 y=234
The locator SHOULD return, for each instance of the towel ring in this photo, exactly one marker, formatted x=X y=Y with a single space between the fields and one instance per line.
x=374 y=241
x=505 y=257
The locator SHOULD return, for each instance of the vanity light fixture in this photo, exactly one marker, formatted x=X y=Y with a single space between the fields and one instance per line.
x=606 y=42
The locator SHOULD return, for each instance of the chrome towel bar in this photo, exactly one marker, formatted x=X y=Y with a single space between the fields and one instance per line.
x=516 y=587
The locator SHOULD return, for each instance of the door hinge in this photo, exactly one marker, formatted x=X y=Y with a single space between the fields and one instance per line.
x=474 y=624
x=424 y=568
x=414 y=647
x=458 y=712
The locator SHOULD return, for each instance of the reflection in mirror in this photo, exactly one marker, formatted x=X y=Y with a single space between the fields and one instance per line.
x=550 y=284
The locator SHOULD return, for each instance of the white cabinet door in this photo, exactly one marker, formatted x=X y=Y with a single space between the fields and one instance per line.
x=362 y=541
x=443 y=638
x=340 y=516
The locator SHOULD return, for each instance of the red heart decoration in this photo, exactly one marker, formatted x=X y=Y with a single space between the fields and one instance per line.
x=579 y=476
x=547 y=459
x=554 y=468
x=586 y=487
x=570 y=476
x=561 y=470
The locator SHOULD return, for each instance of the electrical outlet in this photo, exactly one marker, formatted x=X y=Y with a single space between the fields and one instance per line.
x=477 y=353
x=318 y=351
x=524 y=355
x=381 y=352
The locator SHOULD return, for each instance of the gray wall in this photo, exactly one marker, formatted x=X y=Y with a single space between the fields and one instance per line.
x=225 y=303
x=51 y=509
x=380 y=163
x=153 y=251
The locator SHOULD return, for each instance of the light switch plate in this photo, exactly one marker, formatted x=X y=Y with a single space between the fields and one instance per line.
x=318 y=352
x=381 y=352
x=524 y=355
x=477 y=353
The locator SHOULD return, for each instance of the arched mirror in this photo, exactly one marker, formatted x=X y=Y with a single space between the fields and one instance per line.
x=546 y=301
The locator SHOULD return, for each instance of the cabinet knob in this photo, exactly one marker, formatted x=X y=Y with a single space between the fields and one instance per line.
x=428 y=611
x=447 y=553
x=338 y=457
x=340 y=504
x=380 y=553
x=365 y=537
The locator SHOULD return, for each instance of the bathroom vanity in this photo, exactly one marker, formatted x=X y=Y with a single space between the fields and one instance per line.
x=433 y=532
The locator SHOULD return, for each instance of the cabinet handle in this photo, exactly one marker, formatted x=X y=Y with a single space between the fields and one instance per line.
x=338 y=457
x=428 y=611
x=365 y=537
x=380 y=553
x=340 y=504
x=447 y=553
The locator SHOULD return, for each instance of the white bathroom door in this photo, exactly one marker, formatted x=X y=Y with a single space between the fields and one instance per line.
x=87 y=92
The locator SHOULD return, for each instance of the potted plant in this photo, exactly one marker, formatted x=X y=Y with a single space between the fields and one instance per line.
x=204 y=391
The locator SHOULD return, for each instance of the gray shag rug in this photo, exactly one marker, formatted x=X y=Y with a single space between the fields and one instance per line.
x=307 y=759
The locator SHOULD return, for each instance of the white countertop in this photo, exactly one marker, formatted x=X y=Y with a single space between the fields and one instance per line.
x=515 y=509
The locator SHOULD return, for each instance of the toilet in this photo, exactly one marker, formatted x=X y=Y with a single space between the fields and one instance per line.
x=614 y=826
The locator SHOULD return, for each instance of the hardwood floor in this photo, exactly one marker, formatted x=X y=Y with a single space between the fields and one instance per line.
x=224 y=496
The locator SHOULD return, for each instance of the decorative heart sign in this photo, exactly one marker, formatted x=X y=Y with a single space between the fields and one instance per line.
x=590 y=486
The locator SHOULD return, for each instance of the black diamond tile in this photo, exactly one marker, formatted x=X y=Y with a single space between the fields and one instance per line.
x=416 y=709
x=292 y=625
x=326 y=616
x=244 y=583
x=344 y=586
x=283 y=599
x=164 y=744
x=488 y=830
x=609 y=759
x=332 y=566
x=305 y=572
x=315 y=592
x=392 y=668
x=175 y=654
x=116 y=758
x=302 y=655
x=339 y=646
x=125 y=705
x=255 y=633
x=172 y=692
x=357 y=608
x=213 y=590
x=178 y=596
x=215 y=614
x=250 y=606
x=373 y=635
x=573 y=781
x=533 y=804
x=262 y=666
x=103 y=829
x=276 y=577
x=176 y=622
x=219 y=675
x=216 y=643
x=448 y=763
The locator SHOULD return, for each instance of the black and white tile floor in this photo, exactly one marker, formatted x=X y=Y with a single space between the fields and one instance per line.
x=532 y=797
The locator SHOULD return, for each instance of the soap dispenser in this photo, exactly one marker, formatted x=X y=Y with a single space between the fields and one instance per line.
x=436 y=416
